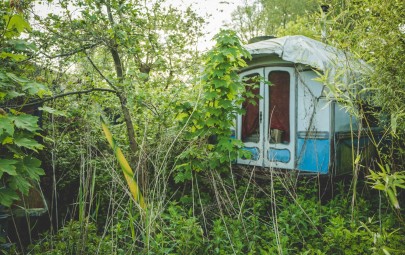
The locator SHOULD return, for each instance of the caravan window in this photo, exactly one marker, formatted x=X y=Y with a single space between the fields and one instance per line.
x=279 y=112
x=250 y=120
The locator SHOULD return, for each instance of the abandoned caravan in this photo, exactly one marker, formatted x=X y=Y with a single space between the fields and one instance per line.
x=293 y=125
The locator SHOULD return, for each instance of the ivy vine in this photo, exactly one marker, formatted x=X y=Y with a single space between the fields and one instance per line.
x=213 y=145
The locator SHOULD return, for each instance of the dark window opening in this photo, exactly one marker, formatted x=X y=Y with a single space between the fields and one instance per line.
x=279 y=114
x=250 y=120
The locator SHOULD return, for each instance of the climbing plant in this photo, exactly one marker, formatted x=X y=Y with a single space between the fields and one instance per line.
x=213 y=145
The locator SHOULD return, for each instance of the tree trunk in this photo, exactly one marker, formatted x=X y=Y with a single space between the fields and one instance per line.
x=119 y=68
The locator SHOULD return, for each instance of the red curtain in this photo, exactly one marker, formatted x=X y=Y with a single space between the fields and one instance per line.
x=250 y=120
x=279 y=94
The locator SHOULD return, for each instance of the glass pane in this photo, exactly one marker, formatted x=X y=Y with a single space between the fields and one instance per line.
x=279 y=114
x=250 y=120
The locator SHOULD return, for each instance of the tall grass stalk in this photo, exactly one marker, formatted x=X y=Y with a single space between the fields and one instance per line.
x=128 y=173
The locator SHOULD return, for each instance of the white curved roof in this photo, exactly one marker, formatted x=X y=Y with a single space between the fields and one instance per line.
x=307 y=51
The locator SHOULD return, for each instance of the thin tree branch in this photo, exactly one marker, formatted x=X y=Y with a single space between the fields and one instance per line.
x=41 y=101
x=101 y=74
x=73 y=52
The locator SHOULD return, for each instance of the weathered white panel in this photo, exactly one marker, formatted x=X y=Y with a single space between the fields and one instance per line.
x=313 y=113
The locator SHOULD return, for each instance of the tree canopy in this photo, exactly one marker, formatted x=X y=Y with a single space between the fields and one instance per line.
x=100 y=96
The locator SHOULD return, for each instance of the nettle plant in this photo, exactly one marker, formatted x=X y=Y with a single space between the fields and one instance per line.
x=212 y=144
x=18 y=130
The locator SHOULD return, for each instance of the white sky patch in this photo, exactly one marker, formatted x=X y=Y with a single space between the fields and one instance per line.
x=217 y=14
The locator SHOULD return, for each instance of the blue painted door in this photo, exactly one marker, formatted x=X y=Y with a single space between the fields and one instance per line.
x=267 y=127
x=279 y=117
x=249 y=126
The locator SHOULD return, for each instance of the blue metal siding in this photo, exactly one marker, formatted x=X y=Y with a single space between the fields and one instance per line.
x=313 y=155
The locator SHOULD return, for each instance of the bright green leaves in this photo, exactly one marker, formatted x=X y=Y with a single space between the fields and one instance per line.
x=18 y=130
x=13 y=86
x=225 y=40
x=15 y=25
x=27 y=143
x=7 y=166
x=31 y=167
x=7 y=196
x=26 y=126
x=16 y=84
x=17 y=167
x=19 y=48
x=6 y=125
x=26 y=122
x=388 y=182
x=212 y=147
x=15 y=173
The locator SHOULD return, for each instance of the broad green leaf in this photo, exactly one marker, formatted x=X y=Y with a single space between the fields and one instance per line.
x=393 y=198
x=379 y=187
x=28 y=143
x=400 y=186
x=181 y=116
x=32 y=167
x=16 y=78
x=27 y=122
x=52 y=111
x=18 y=182
x=6 y=125
x=18 y=23
x=2 y=95
x=35 y=88
x=22 y=45
x=7 y=196
x=13 y=94
x=8 y=166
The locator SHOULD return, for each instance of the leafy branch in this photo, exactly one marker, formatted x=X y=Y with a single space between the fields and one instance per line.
x=43 y=100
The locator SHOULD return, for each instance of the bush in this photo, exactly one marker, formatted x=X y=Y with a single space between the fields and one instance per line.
x=74 y=238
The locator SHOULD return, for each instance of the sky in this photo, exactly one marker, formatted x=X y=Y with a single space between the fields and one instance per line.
x=216 y=12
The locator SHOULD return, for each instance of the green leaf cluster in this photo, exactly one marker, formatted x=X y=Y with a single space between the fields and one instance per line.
x=18 y=130
x=388 y=182
x=267 y=17
x=212 y=146
x=18 y=168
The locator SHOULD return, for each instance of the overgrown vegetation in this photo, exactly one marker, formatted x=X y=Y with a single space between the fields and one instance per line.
x=19 y=167
x=135 y=65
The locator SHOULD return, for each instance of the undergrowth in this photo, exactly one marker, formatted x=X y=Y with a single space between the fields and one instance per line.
x=264 y=221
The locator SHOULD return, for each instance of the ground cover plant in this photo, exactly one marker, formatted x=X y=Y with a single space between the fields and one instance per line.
x=120 y=90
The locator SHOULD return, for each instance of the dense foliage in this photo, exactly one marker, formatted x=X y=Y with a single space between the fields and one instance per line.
x=267 y=17
x=171 y=112
x=19 y=168
x=212 y=145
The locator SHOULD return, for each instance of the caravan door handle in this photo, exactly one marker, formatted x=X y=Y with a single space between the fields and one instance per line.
x=260 y=117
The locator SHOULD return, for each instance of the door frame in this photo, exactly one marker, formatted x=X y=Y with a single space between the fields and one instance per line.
x=259 y=145
x=264 y=144
x=280 y=147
